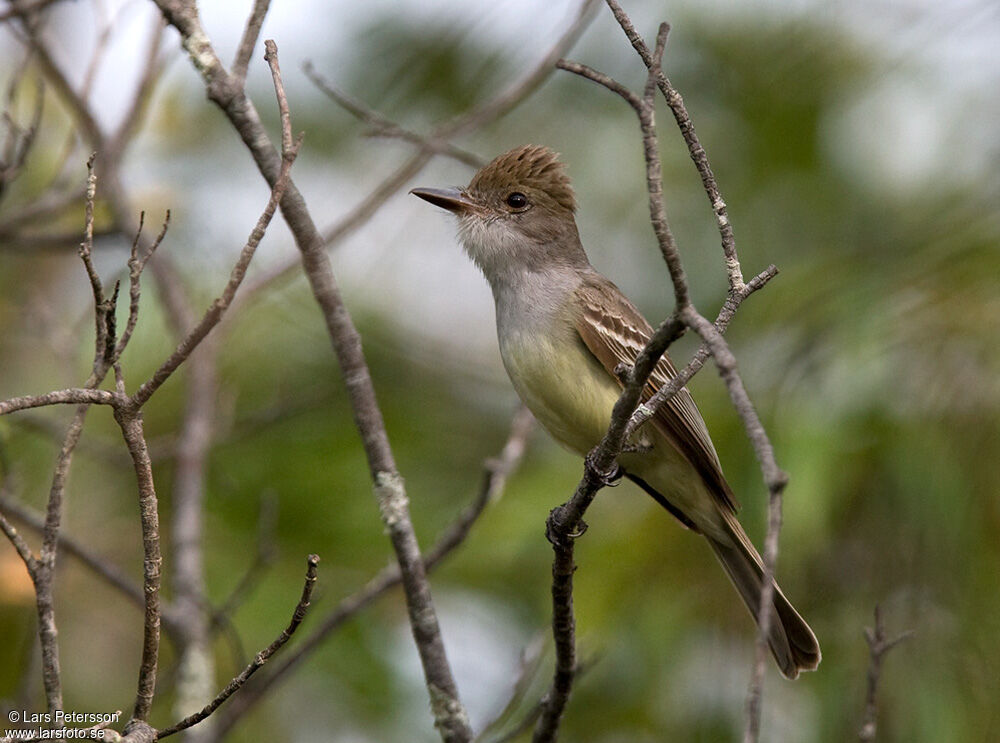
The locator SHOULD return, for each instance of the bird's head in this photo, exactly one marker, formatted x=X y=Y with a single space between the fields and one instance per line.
x=516 y=213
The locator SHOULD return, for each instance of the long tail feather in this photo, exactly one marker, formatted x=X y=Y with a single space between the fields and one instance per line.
x=790 y=639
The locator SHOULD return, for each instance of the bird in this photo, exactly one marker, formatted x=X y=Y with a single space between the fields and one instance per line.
x=564 y=330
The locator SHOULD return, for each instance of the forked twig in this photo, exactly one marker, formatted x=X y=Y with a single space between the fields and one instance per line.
x=878 y=646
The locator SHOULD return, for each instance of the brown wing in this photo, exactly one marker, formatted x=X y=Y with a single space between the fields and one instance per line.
x=617 y=336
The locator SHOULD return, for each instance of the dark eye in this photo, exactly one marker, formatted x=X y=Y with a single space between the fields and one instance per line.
x=517 y=200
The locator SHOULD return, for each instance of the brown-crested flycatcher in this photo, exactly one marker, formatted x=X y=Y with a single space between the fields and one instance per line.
x=563 y=330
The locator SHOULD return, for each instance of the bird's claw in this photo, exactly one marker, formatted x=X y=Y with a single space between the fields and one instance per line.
x=554 y=529
x=613 y=478
x=607 y=478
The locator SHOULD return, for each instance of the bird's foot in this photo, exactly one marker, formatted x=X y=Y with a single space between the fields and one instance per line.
x=555 y=529
x=606 y=477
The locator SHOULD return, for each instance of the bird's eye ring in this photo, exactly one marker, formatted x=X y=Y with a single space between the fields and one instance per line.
x=516 y=200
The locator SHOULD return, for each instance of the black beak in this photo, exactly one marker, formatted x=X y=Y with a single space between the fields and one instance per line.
x=452 y=199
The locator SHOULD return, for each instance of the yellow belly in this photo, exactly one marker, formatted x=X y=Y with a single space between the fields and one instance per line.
x=567 y=390
x=572 y=396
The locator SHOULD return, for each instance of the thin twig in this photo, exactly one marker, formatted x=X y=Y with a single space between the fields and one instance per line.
x=878 y=646
x=251 y=32
x=384 y=127
x=218 y=308
x=136 y=264
x=23 y=550
x=260 y=659
x=346 y=225
x=85 y=250
x=695 y=149
x=646 y=411
x=271 y=57
x=111 y=573
x=654 y=179
x=504 y=103
x=72 y=396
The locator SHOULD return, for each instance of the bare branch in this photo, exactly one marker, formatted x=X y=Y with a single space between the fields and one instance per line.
x=136 y=264
x=216 y=310
x=878 y=646
x=23 y=550
x=644 y=109
x=102 y=310
x=43 y=576
x=646 y=411
x=271 y=57
x=260 y=659
x=109 y=572
x=384 y=127
x=72 y=396
x=506 y=102
x=130 y=421
x=697 y=152
x=251 y=33
x=75 y=101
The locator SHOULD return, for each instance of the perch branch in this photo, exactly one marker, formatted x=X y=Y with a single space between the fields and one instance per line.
x=565 y=522
x=878 y=646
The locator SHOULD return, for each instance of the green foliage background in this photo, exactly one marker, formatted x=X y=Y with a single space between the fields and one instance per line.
x=873 y=359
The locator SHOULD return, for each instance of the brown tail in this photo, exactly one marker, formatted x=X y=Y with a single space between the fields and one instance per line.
x=792 y=643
